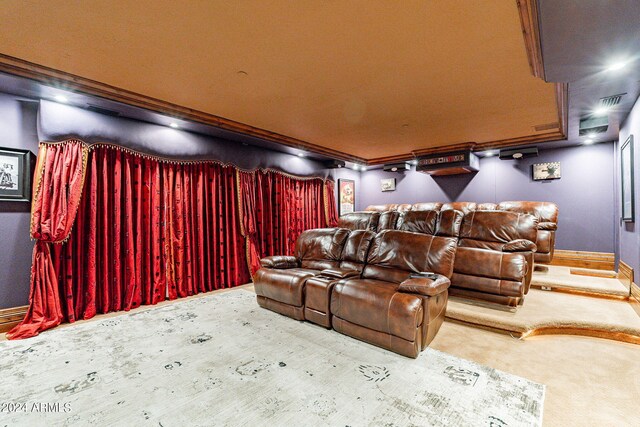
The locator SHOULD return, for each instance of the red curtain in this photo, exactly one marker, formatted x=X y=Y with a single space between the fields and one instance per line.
x=285 y=207
x=147 y=230
x=330 y=205
x=59 y=180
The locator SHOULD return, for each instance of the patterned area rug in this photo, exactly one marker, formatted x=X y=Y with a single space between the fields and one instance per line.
x=222 y=360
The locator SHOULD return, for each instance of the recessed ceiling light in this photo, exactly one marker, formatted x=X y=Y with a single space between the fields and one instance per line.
x=414 y=162
x=300 y=154
x=61 y=98
x=490 y=154
x=394 y=169
x=363 y=168
x=174 y=125
x=588 y=141
x=517 y=155
x=618 y=65
x=591 y=135
x=601 y=111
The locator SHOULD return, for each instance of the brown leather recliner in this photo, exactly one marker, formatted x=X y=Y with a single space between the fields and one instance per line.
x=359 y=221
x=388 y=220
x=487 y=206
x=408 y=311
x=279 y=284
x=318 y=289
x=426 y=206
x=381 y=208
x=547 y=214
x=424 y=222
x=494 y=260
x=464 y=207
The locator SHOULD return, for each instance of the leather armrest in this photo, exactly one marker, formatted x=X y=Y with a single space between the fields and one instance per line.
x=547 y=226
x=339 y=273
x=425 y=286
x=279 y=261
x=519 y=245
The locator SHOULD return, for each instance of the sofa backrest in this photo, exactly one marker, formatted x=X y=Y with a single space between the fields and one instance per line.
x=487 y=207
x=419 y=222
x=464 y=207
x=388 y=220
x=449 y=223
x=356 y=249
x=426 y=206
x=492 y=229
x=544 y=211
x=321 y=248
x=380 y=208
x=395 y=254
x=359 y=221
x=405 y=207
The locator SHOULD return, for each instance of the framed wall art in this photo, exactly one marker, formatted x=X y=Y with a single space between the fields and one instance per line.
x=346 y=196
x=15 y=175
x=544 y=171
x=626 y=180
x=388 y=184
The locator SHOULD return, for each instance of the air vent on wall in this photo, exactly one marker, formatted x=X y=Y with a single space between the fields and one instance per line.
x=101 y=110
x=611 y=101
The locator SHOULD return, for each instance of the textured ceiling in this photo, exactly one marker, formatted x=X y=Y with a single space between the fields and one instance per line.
x=367 y=78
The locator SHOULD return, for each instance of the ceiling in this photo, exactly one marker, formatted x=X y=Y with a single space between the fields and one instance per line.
x=360 y=79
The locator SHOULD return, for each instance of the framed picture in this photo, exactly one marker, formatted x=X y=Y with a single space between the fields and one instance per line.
x=346 y=196
x=626 y=180
x=542 y=171
x=388 y=184
x=15 y=175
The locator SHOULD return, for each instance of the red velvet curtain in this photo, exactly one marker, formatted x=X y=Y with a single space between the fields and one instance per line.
x=285 y=207
x=330 y=205
x=59 y=180
x=145 y=231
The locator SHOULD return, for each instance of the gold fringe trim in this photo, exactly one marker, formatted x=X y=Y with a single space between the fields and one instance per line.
x=169 y=160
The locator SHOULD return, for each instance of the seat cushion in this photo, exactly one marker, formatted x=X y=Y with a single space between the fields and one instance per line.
x=375 y=304
x=285 y=286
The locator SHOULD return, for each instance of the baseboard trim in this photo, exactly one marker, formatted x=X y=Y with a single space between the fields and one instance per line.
x=584 y=259
x=634 y=299
x=10 y=317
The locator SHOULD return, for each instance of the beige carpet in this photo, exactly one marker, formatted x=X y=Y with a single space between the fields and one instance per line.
x=561 y=279
x=555 y=312
x=590 y=382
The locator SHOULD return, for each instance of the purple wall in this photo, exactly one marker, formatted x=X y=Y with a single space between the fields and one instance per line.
x=584 y=194
x=629 y=232
x=17 y=130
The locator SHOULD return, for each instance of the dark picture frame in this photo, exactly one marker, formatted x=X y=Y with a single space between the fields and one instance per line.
x=627 y=185
x=346 y=196
x=15 y=175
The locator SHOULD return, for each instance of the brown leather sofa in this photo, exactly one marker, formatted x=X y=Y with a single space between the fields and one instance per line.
x=487 y=206
x=368 y=285
x=464 y=207
x=547 y=214
x=367 y=220
x=494 y=260
x=408 y=311
x=279 y=284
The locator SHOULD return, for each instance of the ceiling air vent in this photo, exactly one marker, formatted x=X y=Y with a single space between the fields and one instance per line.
x=101 y=110
x=611 y=101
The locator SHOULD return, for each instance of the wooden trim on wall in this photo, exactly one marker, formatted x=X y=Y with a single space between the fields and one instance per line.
x=10 y=317
x=528 y=11
x=584 y=259
x=625 y=274
x=634 y=299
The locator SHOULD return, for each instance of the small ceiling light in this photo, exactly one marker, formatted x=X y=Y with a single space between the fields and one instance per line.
x=601 y=111
x=61 y=98
x=618 y=65
x=517 y=155
x=300 y=154
x=588 y=141
x=414 y=162
x=363 y=168
x=490 y=154
x=174 y=125
x=591 y=135
x=394 y=169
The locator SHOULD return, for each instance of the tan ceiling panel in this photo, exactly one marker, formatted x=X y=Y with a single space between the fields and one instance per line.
x=368 y=78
